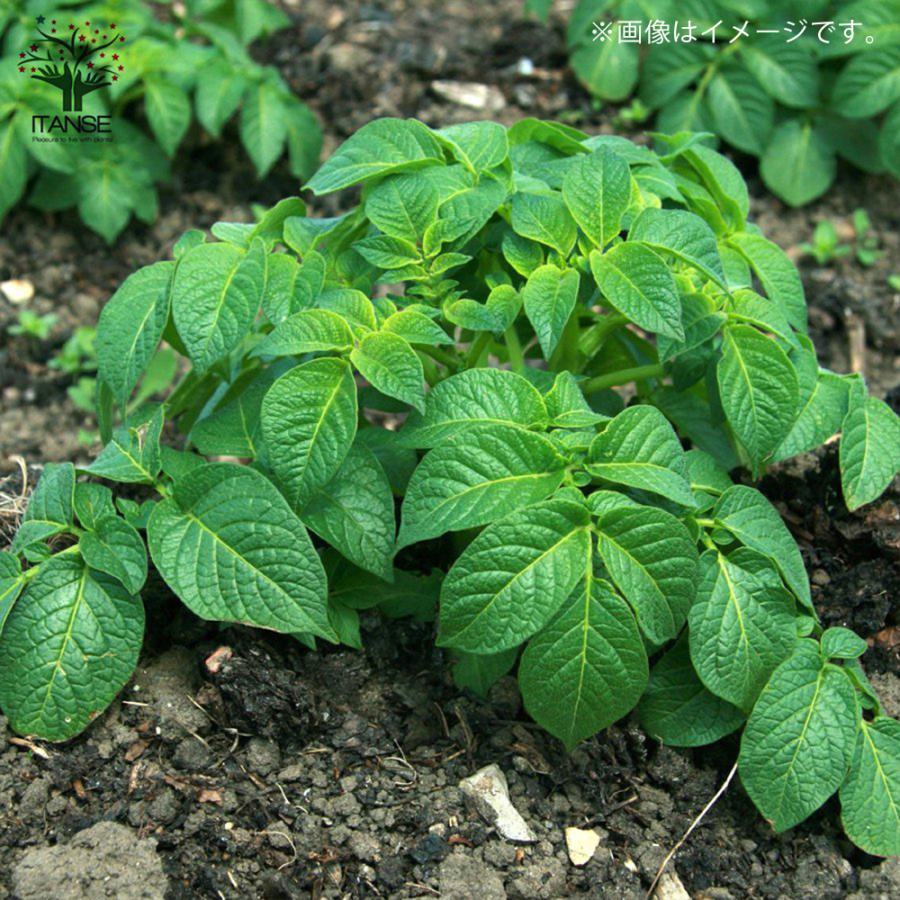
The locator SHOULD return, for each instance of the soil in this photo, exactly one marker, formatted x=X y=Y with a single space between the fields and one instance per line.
x=250 y=767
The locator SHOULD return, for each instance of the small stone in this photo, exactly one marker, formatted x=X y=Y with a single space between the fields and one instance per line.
x=106 y=860
x=821 y=578
x=463 y=877
x=470 y=94
x=488 y=792
x=670 y=888
x=263 y=756
x=17 y=290
x=581 y=845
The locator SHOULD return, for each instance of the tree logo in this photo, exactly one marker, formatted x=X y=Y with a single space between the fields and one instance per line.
x=77 y=60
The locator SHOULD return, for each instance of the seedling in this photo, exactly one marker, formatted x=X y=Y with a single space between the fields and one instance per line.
x=79 y=354
x=825 y=246
x=29 y=324
x=867 y=252
x=763 y=79
x=69 y=119
x=548 y=528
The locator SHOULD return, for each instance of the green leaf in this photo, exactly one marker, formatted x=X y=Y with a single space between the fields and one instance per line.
x=263 y=125
x=132 y=456
x=741 y=625
x=381 y=147
x=308 y=424
x=290 y=287
x=869 y=83
x=637 y=283
x=232 y=550
x=114 y=547
x=416 y=328
x=233 y=429
x=758 y=389
x=354 y=512
x=353 y=305
x=522 y=254
x=842 y=643
x=888 y=142
x=496 y=314
x=93 y=502
x=477 y=145
x=869 y=451
x=391 y=366
x=678 y=710
x=307 y=331
x=820 y=416
x=216 y=294
x=477 y=477
x=403 y=206
x=388 y=252
x=544 y=218
x=798 y=163
x=800 y=737
x=639 y=448
x=778 y=275
x=514 y=576
x=567 y=406
x=586 y=668
x=597 y=190
x=870 y=796
x=682 y=234
x=653 y=562
x=549 y=297
x=478 y=672
x=168 y=111
x=68 y=648
x=11 y=584
x=741 y=111
x=476 y=395
x=131 y=326
x=787 y=72
x=608 y=69
x=304 y=139
x=13 y=166
x=218 y=95
x=705 y=474
x=745 y=513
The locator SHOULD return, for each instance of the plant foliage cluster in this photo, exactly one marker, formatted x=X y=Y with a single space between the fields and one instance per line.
x=188 y=61
x=796 y=105
x=488 y=292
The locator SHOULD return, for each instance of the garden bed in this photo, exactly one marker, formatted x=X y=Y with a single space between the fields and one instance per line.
x=265 y=770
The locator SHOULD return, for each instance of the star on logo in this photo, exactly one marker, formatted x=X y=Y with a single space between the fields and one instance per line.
x=33 y=48
x=41 y=20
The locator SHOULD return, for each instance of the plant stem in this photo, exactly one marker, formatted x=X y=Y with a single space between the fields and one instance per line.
x=441 y=356
x=476 y=348
x=623 y=376
x=514 y=349
x=595 y=337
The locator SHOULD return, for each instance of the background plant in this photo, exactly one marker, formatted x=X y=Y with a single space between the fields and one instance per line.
x=178 y=61
x=489 y=292
x=797 y=106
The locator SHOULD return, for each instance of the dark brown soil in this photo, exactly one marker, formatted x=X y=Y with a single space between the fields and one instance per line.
x=291 y=774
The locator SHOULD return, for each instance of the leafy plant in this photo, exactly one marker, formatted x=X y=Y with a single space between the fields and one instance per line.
x=490 y=291
x=143 y=69
x=867 y=251
x=30 y=324
x=825 y=247
x=797 y=98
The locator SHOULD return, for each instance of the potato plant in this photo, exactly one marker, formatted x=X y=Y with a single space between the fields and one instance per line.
x=798 y=96
x=173 y=65
x=449 y=349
